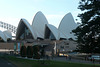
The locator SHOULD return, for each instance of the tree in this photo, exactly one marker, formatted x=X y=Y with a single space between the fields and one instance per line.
x=29 y=51
x=88 y=32
x=23 y=51
x=36 y=50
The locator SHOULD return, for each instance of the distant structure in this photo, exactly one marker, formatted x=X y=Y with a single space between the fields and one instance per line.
x=5 y=36
x=8 y=27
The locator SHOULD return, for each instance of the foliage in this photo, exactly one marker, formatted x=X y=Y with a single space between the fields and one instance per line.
x=88 y=32
x=42 y=53
x=29 y=51
x=36 y=50
x=23 y=51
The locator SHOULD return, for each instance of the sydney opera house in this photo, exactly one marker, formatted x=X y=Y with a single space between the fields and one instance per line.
x=41 y=29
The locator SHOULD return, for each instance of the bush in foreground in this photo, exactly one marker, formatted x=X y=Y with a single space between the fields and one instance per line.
x=29 y=51
x=36 y=54
x=23 y=51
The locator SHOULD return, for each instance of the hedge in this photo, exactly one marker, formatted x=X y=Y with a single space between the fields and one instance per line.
x=36 y=54
x=29 y=51
x=23 y=51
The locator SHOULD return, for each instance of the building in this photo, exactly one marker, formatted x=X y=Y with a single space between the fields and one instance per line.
x=40 y=29
x=42 y=33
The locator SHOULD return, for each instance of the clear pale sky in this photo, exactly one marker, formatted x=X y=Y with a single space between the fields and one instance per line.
x=11 y=11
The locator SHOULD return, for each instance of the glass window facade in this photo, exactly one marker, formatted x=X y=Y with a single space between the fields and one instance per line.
x=49 y=34
x=25 y=33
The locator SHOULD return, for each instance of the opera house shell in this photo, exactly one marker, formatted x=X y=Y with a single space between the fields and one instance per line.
x=41 y=29
x=51 y=32
x=5 y=36
x=66 y=26
x=38 y=25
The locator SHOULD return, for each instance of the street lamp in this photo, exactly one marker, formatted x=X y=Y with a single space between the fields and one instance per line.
x=55 y=47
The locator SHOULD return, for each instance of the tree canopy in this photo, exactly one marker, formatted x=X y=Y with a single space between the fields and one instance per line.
x=88 y=32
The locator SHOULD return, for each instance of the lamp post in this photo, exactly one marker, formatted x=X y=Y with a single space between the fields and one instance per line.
x=55 y=47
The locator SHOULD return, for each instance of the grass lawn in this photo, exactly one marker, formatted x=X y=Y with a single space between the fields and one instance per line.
x=37 y=63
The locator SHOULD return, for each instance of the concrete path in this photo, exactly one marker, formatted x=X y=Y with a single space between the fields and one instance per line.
x=74 y=60
x=5 y=63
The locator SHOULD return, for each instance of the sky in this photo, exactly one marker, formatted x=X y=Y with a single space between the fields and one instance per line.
x=11 y=11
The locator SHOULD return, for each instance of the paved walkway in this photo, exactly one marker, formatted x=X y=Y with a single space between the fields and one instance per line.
x=74 y=60
x=5 y=63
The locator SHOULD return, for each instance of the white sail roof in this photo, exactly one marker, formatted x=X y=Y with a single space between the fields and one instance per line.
x=8 y=34
x=62 y=35
x=38 y=24
x=54 y=31
x=66 y=26
x=3 y=37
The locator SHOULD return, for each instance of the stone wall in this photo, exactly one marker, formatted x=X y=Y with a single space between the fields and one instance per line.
x=6 y=45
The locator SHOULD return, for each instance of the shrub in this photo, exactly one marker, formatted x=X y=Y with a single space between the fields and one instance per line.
x=36 y=54
x=23 y=51
x=29 y=51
